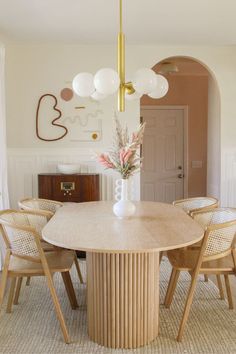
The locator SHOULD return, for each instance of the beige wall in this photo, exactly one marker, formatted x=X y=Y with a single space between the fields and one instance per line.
x=32 y=71
x=32 y=68
x=213 y=146
x=191 y=91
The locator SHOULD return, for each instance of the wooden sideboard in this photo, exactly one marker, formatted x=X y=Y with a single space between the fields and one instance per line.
x=79 y=187
x=69 y=188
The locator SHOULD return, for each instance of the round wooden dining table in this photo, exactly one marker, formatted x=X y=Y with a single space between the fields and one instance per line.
x=122 y=263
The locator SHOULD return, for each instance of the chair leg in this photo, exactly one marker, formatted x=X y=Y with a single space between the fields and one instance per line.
x=4 y=277
x=171 y=287
x=57 y=305
x=228 y=291
x=187 y=306
x=78 y=269
x=11 y=295
x=28 y=281
x=69 y=289
x=205 y=277
x=18 y=287
x=221 y=290
x=234 y=256
x=160 y=257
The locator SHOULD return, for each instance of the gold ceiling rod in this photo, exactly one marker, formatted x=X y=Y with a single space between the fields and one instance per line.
x=124 y=87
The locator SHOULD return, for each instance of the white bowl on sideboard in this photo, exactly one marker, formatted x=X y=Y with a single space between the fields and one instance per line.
x=68 y=168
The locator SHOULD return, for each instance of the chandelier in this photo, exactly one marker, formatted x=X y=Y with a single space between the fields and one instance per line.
x=107 y=81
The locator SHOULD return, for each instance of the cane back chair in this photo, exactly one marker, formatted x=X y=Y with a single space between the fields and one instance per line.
x=215 y=256
x=191 y=205
x=39 y=204
x=50 y=206
x=25 y=256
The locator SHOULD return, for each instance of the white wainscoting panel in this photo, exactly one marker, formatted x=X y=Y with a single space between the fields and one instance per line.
x=24 y=165
x=228 y=183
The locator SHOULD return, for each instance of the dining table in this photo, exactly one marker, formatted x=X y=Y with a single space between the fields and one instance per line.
x=122 y=263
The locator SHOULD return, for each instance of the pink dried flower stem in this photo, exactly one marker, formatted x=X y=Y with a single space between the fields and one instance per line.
x=124 y=156
x=105 y=161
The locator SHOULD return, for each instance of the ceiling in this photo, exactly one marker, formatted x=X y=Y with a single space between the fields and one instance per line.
x=172 y=22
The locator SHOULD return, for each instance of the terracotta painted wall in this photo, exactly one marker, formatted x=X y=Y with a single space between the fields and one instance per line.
x=191 y=91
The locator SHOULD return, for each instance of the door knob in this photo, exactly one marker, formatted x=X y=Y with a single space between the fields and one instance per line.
x=180 y=175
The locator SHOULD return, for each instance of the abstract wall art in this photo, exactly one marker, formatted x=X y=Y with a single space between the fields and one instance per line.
x=68 y=117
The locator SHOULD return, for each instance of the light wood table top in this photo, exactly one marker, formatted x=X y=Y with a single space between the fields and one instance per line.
x=122 y=264
x=93 y=227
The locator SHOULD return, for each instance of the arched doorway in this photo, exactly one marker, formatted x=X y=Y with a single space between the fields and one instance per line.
x=182 y=140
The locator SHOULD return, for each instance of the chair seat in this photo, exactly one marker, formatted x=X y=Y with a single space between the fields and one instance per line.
x=47 y=246
x=186 y=259
x=58 y=261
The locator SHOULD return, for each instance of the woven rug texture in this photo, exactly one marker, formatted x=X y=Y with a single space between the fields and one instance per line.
x=33 y=328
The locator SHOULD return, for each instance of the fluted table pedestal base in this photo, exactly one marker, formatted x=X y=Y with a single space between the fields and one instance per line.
x=123 y=298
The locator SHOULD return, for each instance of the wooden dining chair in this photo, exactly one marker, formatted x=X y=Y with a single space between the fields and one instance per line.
x=50 y=206
x=191 y=205
x=39 y=204
x=25 y=256
x=215 y=256
x=47 y=247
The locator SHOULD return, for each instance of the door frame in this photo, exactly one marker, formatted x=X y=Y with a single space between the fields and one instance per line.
x=185 y=135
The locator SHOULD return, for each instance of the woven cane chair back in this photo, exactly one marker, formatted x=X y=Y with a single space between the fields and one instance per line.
x=195 y=204
x=37 y=221
x=20 y=230
x=40 y=204
x=220 y=224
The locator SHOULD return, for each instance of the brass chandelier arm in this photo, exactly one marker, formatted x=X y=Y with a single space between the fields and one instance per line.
x=129 y=88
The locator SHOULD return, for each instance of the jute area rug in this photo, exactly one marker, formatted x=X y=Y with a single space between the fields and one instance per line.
x=33 y=327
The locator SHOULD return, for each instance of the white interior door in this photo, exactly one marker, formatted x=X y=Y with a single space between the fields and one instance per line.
x=162 y=174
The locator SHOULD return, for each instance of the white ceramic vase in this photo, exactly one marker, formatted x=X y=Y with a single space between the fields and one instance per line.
x=124 y=207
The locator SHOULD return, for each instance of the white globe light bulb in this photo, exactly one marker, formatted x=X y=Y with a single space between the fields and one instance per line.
x=162 y=87
x=83 y=85
x=134 y=96
x=98 y=96
x=106 y=81
x=145 y=81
